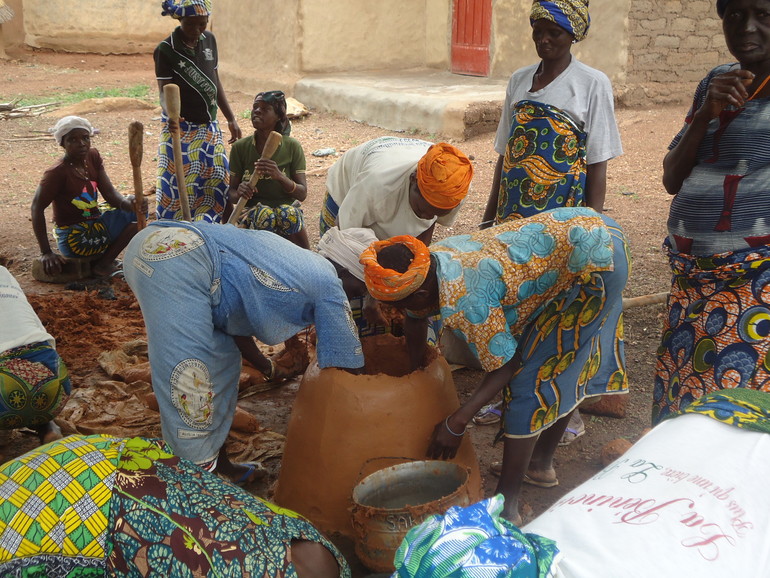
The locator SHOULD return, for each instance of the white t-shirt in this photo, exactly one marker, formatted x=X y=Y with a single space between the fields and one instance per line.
x=19 y=324
x=370 y=184
x=688 y=499
x=583 y=92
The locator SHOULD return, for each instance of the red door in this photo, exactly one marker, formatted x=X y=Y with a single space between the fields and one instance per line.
x=471 y=25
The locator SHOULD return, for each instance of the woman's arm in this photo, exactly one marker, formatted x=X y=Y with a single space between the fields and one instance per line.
x=444 y=443
x=596 y=185
x=416 y=334
x=224 y=106
x=728 y=89
x=491 y=210
x=52 y=263
x=294 y=186
x=427 y=235
x=113 y=197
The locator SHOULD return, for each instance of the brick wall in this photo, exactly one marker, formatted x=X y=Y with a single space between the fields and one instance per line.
x=672 y=45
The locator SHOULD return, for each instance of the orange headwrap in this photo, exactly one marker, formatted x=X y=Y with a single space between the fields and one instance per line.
x=388 y=284
x=444 y=175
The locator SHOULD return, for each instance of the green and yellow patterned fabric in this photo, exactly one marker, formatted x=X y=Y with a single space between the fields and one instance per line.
x=56 y=504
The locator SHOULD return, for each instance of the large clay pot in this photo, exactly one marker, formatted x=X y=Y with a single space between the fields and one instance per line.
x=341 y=424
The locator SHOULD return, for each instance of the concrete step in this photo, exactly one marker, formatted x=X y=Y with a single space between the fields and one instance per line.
x=426 y=100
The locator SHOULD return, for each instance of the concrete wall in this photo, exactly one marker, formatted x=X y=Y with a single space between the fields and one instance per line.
x=13 y=30
x=654 y=51
x=108 y=27
x=260 y=43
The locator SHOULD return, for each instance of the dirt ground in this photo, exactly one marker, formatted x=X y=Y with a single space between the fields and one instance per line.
x=89 y=322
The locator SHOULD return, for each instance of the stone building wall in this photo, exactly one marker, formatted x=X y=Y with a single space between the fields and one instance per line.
x=672 y=44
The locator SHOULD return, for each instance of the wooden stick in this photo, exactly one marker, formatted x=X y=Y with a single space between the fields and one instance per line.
x=135 y=152
x=653 y=299
x=271 y=145
x=173 y=108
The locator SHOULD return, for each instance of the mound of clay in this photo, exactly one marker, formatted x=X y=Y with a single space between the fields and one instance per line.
x=109 y=104
x=607 y=405
x=614 y=450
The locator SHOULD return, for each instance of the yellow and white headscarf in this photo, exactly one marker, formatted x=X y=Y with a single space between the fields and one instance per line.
x=572 y=15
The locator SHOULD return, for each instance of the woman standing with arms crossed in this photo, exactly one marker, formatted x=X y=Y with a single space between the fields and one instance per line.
x=188 y=58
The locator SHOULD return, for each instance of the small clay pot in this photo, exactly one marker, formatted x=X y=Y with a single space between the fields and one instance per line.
x=345 y=426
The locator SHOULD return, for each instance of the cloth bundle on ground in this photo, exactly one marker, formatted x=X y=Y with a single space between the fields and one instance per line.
x=688 y=499
x=474 y=542
x=98 y=506
x=692 y=493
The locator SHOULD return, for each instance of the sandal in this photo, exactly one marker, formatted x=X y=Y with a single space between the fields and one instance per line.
x=489 y=414
x=496 y=468
x=541 y=483
x=575 y=429
x=254 y=471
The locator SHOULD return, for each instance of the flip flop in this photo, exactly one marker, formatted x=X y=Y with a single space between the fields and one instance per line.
x=540 y=483
x=496 y=468
x=572 y=433
x=488 y=415
x=254 y=471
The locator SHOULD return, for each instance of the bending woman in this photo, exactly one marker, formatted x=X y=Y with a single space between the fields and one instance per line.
x=537 y=301
x=557 y=130
x=188 y=58
x=73 y=186
x=716 y=334
x=274 y=204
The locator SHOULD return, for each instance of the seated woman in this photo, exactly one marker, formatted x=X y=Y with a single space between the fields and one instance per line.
x=274 y=204
x=104 y=506
x=34 y=382
x=73 y=186
x=715 y=335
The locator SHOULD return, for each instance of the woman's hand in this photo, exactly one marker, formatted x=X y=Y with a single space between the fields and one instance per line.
x=372 y=311
x=173 y=124
x=52 y=263
x=129 y=204
x=235 y=130
x=269 y=168
x=443 y=442
x=245 y=190
x=726 y=89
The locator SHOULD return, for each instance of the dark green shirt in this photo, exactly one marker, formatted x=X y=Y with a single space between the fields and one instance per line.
x=289 y=157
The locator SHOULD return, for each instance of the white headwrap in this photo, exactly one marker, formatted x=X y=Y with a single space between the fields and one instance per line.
x=70 y=123
x=345 y=247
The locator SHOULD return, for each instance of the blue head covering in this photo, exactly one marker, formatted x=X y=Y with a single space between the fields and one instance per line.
x=721 y=5
x=183 y=8
x=572 y=15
